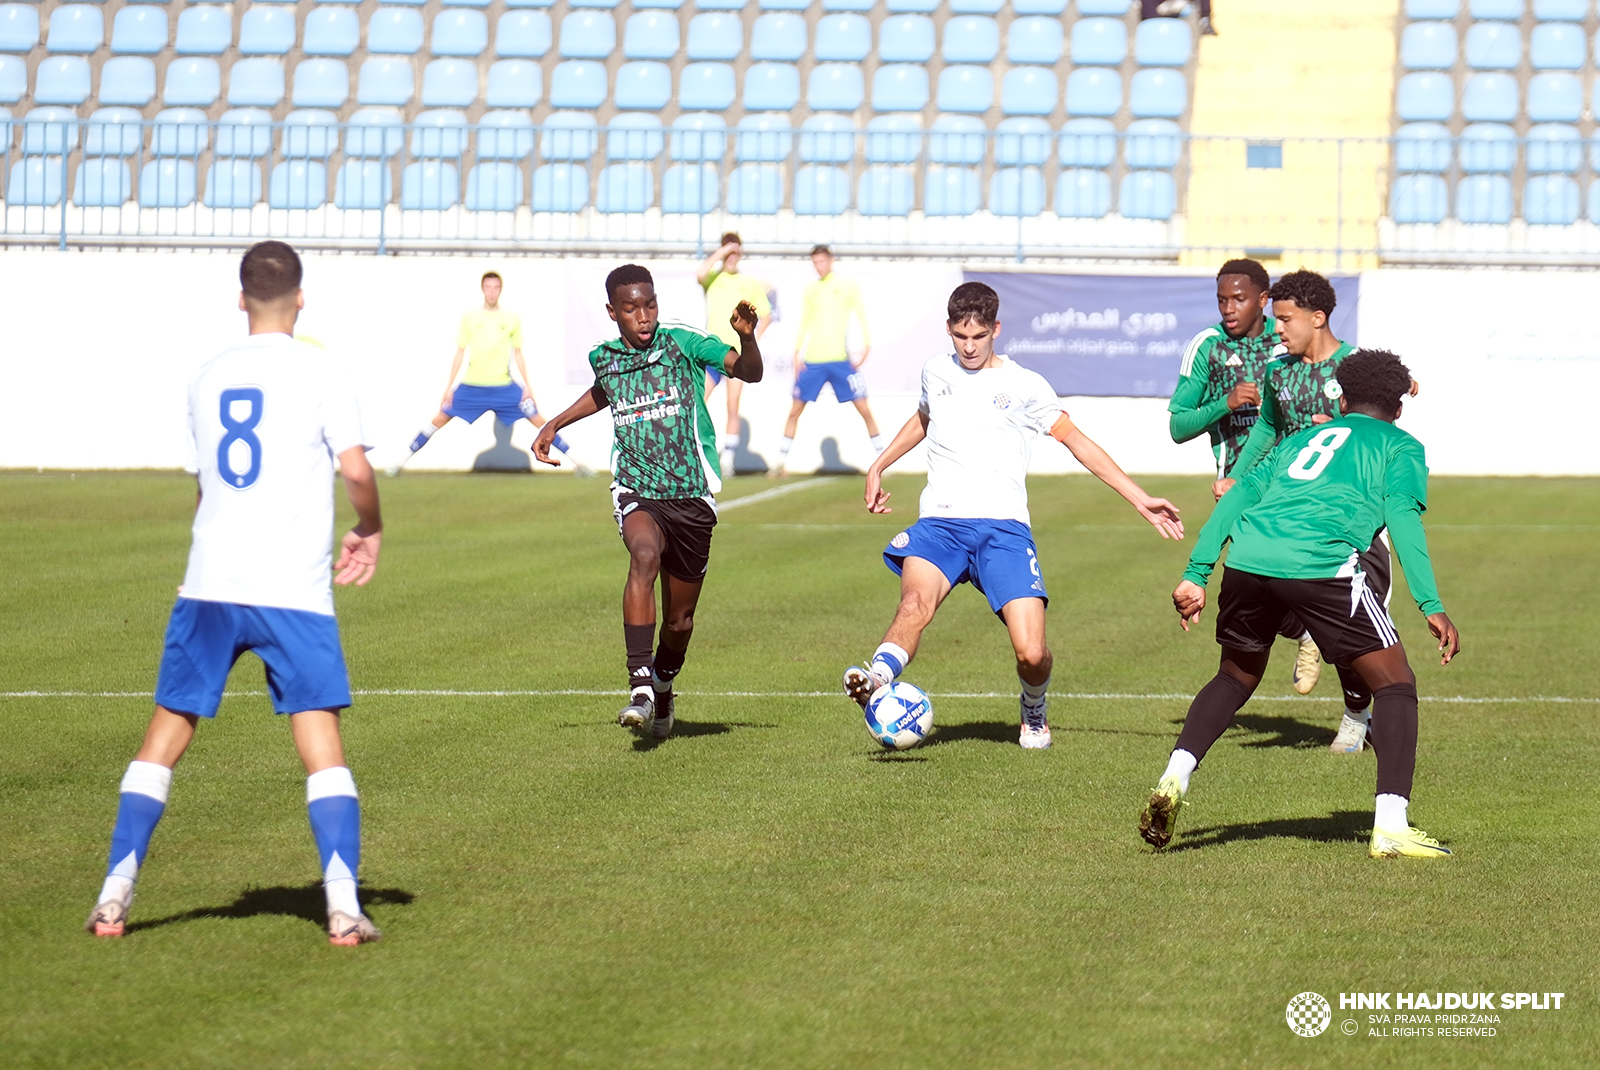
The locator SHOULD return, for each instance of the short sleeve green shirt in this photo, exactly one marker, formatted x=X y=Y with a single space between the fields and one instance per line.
x=1301 y=390
x=1213 y=364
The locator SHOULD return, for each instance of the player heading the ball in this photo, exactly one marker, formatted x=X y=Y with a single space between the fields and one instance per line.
x=266 y=420
x=664 y=460
x=979 y=413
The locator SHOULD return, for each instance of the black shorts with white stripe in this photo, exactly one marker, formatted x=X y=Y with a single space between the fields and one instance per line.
x=1345 y=617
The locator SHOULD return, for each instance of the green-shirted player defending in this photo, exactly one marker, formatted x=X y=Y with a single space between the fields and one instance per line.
x=1219 y=394
x=664 y=463
x=1299 y=523
x=725 y=286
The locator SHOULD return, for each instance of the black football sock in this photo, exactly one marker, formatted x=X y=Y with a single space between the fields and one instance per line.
x=1211 y=713
x=1357 y=695
x=639 y=638
x=669 y=663
x=1394 y=737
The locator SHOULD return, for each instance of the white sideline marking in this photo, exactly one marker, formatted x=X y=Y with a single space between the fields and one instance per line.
x=775 y=492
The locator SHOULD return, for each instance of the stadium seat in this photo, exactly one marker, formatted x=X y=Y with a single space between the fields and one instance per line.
x=461 y=33
x=127 y=80
x=494 y=187
x=634 y=136
x=974 y=7
x=588 y=35
x=76 y=28
x=755 y=189
x=1568 y=10
x=780 y=36
x=763 y=139
x=1033 y=40
x=35 y=180
x=167 y=183
x=1493 y=46
x=578 y=83
x=513 y=83
x=638 y=5
x=706 y=86
x=1496 y=9
x=141 y=29
x=505 y=135
x=1029 y=91
x=65 y=80
x=1484 y=199
x=715 y=36
x=232 y=183
x=1557 y=46
x=208 y=30
x=1101 y=7
x=1158 y=92
x=113 y=132
x=256 y=82
x=309 y=133
x=1094 y=91
x=785 y=5
x=363 y=184
x=1488 y=147
x=1024 y=141
x=244 y=132
x=1162 y=43
x=102 y=182
x=331 y=31
x=965 y=87
x=1147 y=195
x=1550 y=200
x=1043 y=7
x=886 y=191
x=195 y=82
x=14 y=82
x=1552 y=98
x=1424 y=96
x=607 y=4
x=957 y=139
x=430 y=185
x=821 y=189
x=771 y=86
x=1594 y=202
x=50 y=130
x=646 y=35
x=569 y=135
x=974 y=39
x=922 y=6
x=325 y=83
x=1153 y=143
x=720 y=5
x=1419 y=199
x=449 y=83
x=485 y=3
x=624 y=187
x=950 y=191
x=300 y=184
x=397 y=31
x=698 y=137
x=263 y=31
x=559 y=187
x=1432 y=9
x=1016 y=191
x=905 y=39
x=835 y=87
x=826 y=139
x=900 y=87
x=1082 y=193
x=894 y=139
x=1098 y=40
x=689 y=189
x=643 y=84
x=438 y=133
x=1088 y=143
x=1428 y=46
x=375 y=132
x=1553 y=148
x=843 y=38
x=19 y=27
x=847 y=5
x=1422 y=147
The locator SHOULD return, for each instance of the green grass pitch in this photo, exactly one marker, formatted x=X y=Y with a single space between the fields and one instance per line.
x=766 y=889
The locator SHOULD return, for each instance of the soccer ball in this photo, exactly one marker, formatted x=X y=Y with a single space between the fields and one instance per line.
x=899 y=716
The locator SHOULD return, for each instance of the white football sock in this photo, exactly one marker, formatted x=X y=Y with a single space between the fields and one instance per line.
x=730 y=442
x=877 y=443
x=1181 y=765
x=889 y=661
x=1390 y=813
x=783 y=448
x=1034 y=692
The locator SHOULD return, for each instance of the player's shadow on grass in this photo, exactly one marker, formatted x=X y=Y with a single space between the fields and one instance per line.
x=1341 y=826
x=306 y=902
x=690 y=729
x=1282 y=731
x=984 y=731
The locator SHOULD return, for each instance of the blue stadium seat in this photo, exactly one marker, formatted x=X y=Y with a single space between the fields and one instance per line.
x=494 y=187
x=827 y=139
x=324 y=83
x=522 y=34
x=112 y=132
x=1432 y=9
x=779 y=37
x=634 y=136
x=843 y=38
x=439 y=133
x=715 y=36
x=559 y=187
x=1493 y=46
x=886 y=190
x=1422 y=147
x=463 y=33
x=329 y=31
x=975 y=39
x=1557 y=46
x=643 y=84
x=638 y=5
x=1153 y=143
x=1094 y=91
x=244 y=132
x=102 y=183
x=362 y=184
x=1419 y=199
x=755 y=189
x=1042 y=7
x=923 y=6
x=965 y=87
x=127 y=80
x=168 y=183
x=578 y=83
x=19 y=27
x=1484 y=199
x=430 y=185
x=1554 y=148
x=382 y=80
x=1024 y=141
x=1034 y=40
x=375 y=132
x=142 y=29
x=1488 y=147
x=588 y=35
x=1162 y=43
x=785 y=5
x=49 y=130
x=1030 y=91
x=847 y=5
x=513 y=83
x=835 y=87
x=293 y=1
x=233 y=183
x=192 y=81
x=900 y=87
x=1428 y=46
x=449 y=83
x=1103 y=7
x=771 y=86
x=1568 y=10
x=705 y=86
x=1098 y=40
x=505 y=135
x=309 y=133
x=763 y=139
x=1082 y=193
x=1496 y=9
x=894 y=139
x=208 y=30
x=1088 y=143
x=950 y=191
x=1424 y=95
x=974 y=7
x=397 y=31
x=607 y=4
x=625 y=187
x=76 y=28
x=65 y=80
x=646 y=35
x=1552 y=98
x=1594 y=202
x=1550 y=200
x=569 y=135
x=263 y=31
x=821 y=189
x=698 y=137
x=255 y=82
x=957 y=139
x=1158 y=92
x=485 y=3
x=905 y=39
x=13 y=79
x=1016 y=191
x=549 y=3
x=1147 y=195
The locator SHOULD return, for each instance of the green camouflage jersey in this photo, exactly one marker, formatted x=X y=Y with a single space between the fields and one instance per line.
x=665 y=445
x=1213 y=365
x=1296 y=391
x=1318 y=501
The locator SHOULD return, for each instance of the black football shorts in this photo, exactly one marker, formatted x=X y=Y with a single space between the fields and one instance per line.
x=686 y=523
x=1345 y=616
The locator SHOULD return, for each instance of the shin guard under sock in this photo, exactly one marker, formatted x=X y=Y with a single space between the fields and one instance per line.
x=1211 y=713
x=1357 y=696
x=639 y=638
x=1394 y=737
x=335 y=815
x=144 y=798
x=669 y=663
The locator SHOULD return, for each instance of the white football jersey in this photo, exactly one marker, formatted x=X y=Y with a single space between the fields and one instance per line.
x=266 y=420
x=981 y=425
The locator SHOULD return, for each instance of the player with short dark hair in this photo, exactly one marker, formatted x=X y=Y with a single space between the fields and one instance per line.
x=1299 y=524
x=664 y=463
x=725 y=286
x=979 y=414
x=267 y=419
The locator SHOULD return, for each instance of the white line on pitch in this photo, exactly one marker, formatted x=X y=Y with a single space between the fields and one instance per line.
x=775 y=492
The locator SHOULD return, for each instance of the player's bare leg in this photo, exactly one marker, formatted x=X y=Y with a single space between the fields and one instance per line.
x=922 y=589
x=678 y=601
x=1024 y=618
x=645 y=542
x=335 y=816
x=789 y=428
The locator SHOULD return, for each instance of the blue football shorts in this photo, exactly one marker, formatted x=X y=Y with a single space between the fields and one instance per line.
x=305 y=664
x=848 y=385
x=471 y=402
x=995 y=556
x=715 y=375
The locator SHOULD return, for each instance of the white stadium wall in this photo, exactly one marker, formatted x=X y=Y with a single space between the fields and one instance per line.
x=98 y=346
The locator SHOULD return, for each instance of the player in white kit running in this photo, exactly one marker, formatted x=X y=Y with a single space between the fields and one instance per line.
x=979 y=413
x=266 y=420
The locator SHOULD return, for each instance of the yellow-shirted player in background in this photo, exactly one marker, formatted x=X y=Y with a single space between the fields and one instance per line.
x=725 y=286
